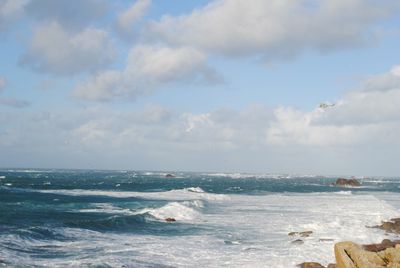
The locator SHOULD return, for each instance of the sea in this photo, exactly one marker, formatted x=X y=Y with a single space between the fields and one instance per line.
x=95 y=218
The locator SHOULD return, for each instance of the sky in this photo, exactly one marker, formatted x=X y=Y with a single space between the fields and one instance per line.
x=279 y=86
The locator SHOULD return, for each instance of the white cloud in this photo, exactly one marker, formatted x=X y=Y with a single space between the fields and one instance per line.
x=384 y=82
x=148 y=68
x=127 y=20
x=370 y=115
x=275 y=29
x=55 y=50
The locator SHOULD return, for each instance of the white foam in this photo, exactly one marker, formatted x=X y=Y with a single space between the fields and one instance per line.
x=2 y=177
x=243 y=231
x=192 y=193
x=178 y=211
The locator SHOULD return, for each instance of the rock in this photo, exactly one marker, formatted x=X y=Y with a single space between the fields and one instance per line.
x=170 y=220
x=347 y=182
x=169 y=176
x=310 y=265
x=331 y=265
x=352 y=255
x=302 y=234
x=386 y=243
x=392 y=226
x=305 y=233
x=298 y=242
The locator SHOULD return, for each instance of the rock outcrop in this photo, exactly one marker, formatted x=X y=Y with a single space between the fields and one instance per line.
x=392 y=226
x=347 y=182
x=351 y=255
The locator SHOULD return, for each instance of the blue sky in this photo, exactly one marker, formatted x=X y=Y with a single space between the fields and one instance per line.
x=201 y=85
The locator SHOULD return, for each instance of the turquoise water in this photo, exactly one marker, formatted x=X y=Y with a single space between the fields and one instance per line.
x=58 y=218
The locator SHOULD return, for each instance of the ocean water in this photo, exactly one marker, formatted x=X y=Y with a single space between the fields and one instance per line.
x=72 y=218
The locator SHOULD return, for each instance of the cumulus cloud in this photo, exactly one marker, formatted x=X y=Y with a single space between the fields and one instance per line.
x=371 y=114
x=384 y=82
x=148 y=68
x=358 y=134
x=128 y=19
x=53 y=49
x=277 y=29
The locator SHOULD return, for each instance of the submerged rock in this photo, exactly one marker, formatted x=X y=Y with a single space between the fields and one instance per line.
x=298 y=242
x=302 y=234
x=310 y=265
x=347 y=182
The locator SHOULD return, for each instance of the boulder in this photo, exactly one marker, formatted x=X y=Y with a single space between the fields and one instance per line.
x=310 y=265
x=347 y=182
x=352 y=255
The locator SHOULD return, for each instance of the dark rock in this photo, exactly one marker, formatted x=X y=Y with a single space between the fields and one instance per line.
x=310 y=265
x=305 y=233
x=392 y=226
x=302 y=234
x=169 y=176
x=298 y=242
x=347 y=182
x=170 y=220
x=386 y=243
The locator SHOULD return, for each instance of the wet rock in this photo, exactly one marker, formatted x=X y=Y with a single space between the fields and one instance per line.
x=169 y=175
x=302 y=234
x=386 y=243
x=392 y=226
x=298 y=242
x=170 y=220
x=352 y=255
x=347 y=182
x=310 y=265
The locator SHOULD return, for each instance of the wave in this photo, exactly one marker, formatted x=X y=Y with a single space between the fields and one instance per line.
x=180 y=211
x=191 y=193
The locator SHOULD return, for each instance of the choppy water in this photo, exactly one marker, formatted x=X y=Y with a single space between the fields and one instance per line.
x=64 y=218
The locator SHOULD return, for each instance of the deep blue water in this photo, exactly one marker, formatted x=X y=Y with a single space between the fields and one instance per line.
x=42 y=210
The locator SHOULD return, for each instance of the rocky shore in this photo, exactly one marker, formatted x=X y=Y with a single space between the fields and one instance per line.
x=352 y=255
